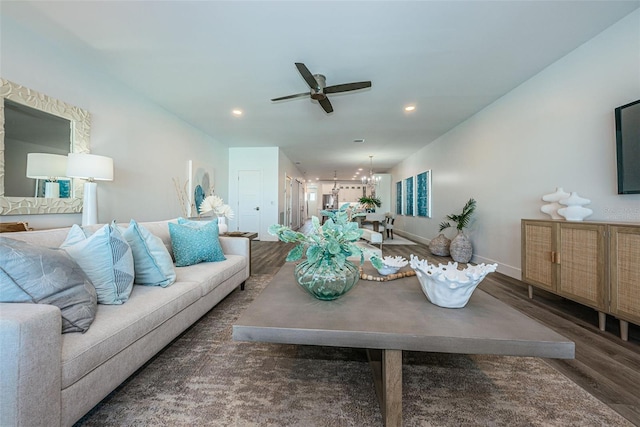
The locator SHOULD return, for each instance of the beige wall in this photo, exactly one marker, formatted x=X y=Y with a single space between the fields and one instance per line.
x=149 y=145
x=555 y=130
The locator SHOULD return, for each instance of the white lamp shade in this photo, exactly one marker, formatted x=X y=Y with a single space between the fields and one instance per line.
x=90 y=166
x=46 y=166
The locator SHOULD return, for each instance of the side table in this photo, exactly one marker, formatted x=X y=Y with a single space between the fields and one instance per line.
x=247 y=235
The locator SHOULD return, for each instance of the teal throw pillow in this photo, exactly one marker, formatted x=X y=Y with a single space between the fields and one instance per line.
x=38 y=275
x=152 y=262
x=105 y=256
x=193 y=244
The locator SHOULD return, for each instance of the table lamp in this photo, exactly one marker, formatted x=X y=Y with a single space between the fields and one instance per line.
x=92 y=168
x=49 y=167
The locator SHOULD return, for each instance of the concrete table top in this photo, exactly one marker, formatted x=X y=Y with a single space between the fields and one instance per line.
x=394 y=315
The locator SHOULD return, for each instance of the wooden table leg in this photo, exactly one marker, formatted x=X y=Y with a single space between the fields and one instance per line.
x=387 y=377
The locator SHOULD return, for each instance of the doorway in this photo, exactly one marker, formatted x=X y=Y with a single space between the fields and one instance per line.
x=249 y=184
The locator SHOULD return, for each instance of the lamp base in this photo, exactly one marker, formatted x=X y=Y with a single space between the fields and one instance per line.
x=52 y=190
x=90 y=204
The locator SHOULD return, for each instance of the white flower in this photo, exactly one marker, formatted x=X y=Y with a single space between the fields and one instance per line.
x=216 y=204
x=226 y=211
x=210 y=203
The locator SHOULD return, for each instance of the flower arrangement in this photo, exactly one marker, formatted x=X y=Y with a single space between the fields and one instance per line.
x=216 y=205
x=332 y=242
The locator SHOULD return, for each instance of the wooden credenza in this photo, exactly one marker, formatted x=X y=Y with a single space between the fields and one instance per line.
x=593 y=263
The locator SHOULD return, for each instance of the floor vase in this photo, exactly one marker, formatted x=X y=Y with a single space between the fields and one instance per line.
x=440 y=245
x=460 y=248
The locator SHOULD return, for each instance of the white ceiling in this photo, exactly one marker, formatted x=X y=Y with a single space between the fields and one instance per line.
x=201 y=59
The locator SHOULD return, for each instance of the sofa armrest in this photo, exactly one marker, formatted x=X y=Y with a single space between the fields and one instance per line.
x=237 y=246
x=30 y=365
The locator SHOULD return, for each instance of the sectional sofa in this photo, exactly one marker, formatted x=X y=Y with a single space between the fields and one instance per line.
x=52 y=379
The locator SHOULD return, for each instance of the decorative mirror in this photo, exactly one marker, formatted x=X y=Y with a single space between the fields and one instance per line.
x=26 y=103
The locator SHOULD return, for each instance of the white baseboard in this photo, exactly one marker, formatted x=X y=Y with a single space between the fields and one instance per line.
x=507 y=270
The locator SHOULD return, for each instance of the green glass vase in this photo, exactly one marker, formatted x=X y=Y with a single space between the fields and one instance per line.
x=325 y=280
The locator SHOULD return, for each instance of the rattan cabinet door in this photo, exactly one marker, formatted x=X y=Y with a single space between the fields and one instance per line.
x=582 y=264
x=625 y=272
x=538 y=239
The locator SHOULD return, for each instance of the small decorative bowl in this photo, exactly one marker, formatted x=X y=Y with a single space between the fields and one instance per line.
x=392 y=265
x=445 y=285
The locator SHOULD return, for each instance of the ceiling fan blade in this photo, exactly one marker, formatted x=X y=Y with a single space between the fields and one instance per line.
x=326 y=105
x=347 y=87
x=306 y=74
x=297 y=95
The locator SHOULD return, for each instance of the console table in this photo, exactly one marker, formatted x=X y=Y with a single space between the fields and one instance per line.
x=593 y=263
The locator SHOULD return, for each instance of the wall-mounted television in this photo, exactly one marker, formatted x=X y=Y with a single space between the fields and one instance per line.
x=628 y=147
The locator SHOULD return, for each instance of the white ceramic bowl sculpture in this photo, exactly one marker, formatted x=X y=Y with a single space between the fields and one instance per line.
x=392 y=265
x=445 y=285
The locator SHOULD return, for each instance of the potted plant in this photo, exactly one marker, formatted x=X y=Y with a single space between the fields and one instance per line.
x=460 y=247
x=370 y=203
x=326 y=273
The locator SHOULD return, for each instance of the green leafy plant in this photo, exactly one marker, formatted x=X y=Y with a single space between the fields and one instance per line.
x=462 y=220
x=334 y=241
x=370 y=202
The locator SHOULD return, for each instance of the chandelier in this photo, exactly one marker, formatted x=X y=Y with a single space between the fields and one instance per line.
x=371 y=181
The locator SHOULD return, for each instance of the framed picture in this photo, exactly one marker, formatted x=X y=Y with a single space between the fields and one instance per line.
x=423 y=194
x=200 y=185
x=409 y=196
x=65 y=188
x=399 y=198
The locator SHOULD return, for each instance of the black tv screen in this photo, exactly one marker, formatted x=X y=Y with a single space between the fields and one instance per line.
x=628 y=147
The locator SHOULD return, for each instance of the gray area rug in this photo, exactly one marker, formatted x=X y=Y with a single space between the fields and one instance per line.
x=205 y=378
x=397 y=240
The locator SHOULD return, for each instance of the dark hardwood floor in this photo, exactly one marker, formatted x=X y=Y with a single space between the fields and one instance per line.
x=604 y=366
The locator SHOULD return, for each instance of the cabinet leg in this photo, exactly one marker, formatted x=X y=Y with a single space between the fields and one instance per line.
x=602 y=320
x=624 y=330
x=530 y=292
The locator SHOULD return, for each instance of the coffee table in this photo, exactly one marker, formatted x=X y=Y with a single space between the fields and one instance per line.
x=387 y=318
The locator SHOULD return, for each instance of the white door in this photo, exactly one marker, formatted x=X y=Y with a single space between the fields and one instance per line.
x=287 y=201
x=249 y=197
x=312 y=204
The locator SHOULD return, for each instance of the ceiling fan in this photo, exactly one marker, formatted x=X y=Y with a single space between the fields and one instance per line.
x=319 y=88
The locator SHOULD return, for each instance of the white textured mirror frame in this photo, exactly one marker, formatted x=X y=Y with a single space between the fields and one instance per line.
x=80 y=133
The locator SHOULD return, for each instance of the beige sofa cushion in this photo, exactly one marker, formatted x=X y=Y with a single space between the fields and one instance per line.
x=210 y=274
x=117 y=326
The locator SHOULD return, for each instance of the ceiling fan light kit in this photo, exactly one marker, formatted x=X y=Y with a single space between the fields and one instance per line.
x=319 y=89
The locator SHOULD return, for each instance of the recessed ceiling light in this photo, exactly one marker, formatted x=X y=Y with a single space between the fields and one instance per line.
x=359 y=140
x=410 y=108
x=359 y=169
x=236 y=112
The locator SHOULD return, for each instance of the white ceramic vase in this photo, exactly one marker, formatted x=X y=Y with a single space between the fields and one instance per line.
x=222 y=225
x=445 y=285
x=553 y=199
x=575 y=210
